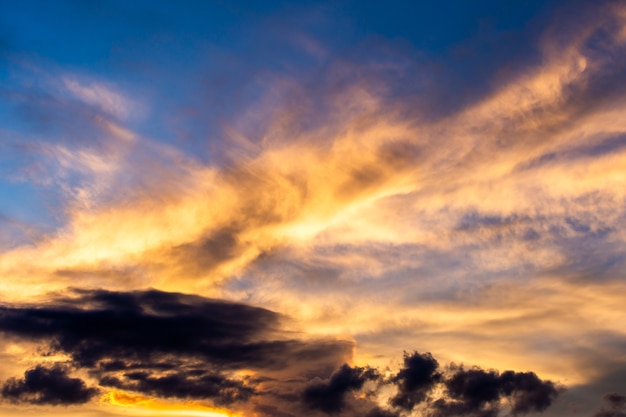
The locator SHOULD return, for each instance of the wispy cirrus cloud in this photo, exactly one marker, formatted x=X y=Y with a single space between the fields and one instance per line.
x=103 y=97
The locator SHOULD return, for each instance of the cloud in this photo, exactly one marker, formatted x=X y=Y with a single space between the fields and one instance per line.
x=47 y=386
x=186 y=347
x=270 y=410
x=415 y=380
x=421 y=385
x=98 y=326
x=455 y=391
x=615 y=400
x=103 y=97
x=348 y=167
x=329 y=396
x=616 y=406
x=380 y=412
x=170 y=345
x=195 y=384
x=475 y=392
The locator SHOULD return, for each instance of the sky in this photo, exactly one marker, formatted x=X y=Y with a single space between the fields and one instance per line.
x=294 y=209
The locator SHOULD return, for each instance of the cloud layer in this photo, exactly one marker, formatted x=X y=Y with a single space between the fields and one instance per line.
x=171 y=345
x=47 y=386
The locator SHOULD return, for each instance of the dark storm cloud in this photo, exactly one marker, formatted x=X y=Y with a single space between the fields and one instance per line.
x=51 y=386
x=421 y=383
x=173 y=345
x=528 y=392
x=139 y=327
x=330 y=396
x=170 y=344
x=476 y=392
x=439 y=392
x=415 y=380
x=130 y=325
x=474 y=387
x=184 y=385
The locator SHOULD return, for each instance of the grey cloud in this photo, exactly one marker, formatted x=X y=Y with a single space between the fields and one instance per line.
x=167 y=345
x=183 y=384
x=47 y=386
x=415 y=380
x=329 y=396
x=173 y=345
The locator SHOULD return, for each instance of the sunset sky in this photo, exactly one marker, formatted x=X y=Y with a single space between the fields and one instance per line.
x=292 y=209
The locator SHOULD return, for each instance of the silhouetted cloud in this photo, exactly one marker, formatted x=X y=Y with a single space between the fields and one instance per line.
x=476 y=392
x=51 y=386
x=172 y=345
x=415 y=380
x=329 y=396
x=453 y=391
x=169 y=344
x=100 y=325
x=186 y=385
x=474 y=388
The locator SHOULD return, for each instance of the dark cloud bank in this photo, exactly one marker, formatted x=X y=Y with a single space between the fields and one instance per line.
x=173 y=345
x=47 y=386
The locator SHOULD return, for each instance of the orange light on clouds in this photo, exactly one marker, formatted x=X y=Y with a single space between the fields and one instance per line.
x=142 y=405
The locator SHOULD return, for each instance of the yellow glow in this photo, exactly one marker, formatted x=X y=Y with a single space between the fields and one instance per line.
x=147 y=405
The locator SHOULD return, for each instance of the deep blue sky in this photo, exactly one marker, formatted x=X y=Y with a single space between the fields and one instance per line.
x=200 y=62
